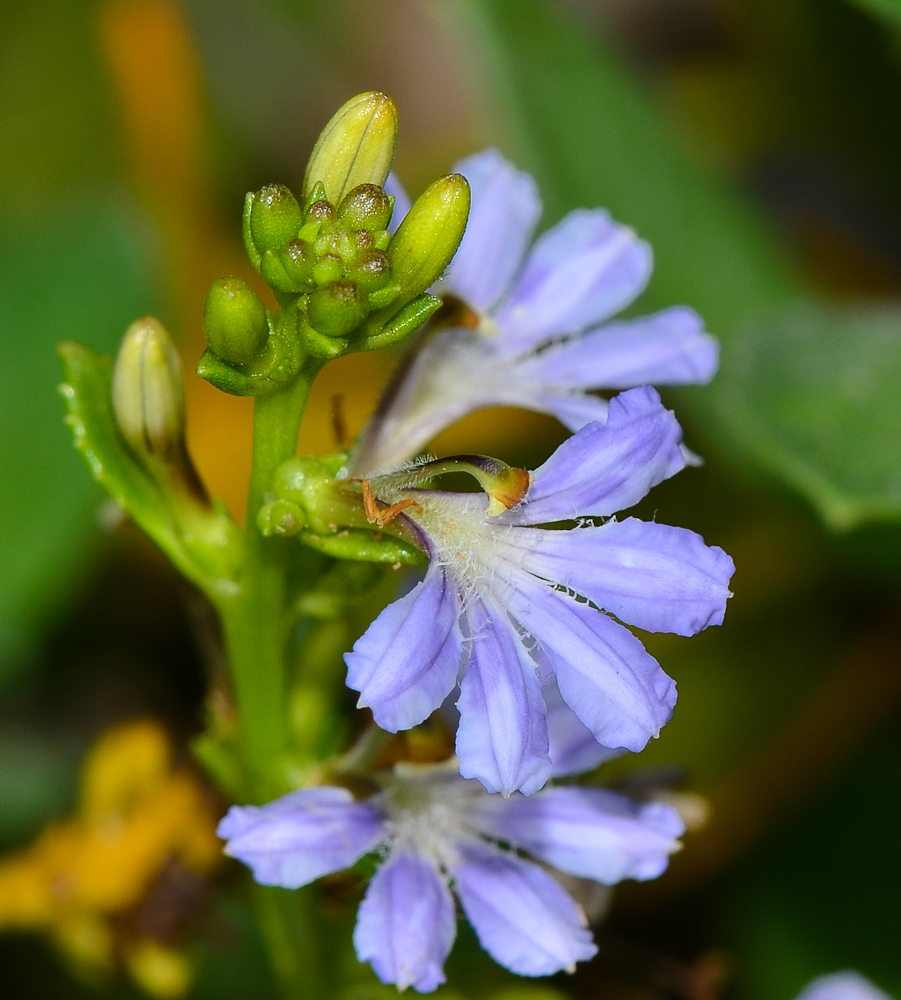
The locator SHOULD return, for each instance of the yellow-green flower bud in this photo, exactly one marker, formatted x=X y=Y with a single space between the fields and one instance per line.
x=327 y=270
x=356 y=147
x=428 y=237
x=320 y=211
x=235 y=321
x=337 y=309
x=366 y=207
x=148 y=392
x=273 y=219
x=298 y=261
x=371 y=270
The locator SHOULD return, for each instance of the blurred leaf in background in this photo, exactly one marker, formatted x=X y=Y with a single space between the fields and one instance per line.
x=571 y=111
x=812 y=395
x=889 y=9
x=74 y=262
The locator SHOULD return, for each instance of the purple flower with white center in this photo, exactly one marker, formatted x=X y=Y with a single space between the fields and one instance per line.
x=439 y=833
x=540 y=337
x=846 y=985
x=505 y=606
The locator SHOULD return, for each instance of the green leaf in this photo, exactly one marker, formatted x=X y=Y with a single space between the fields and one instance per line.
x=87 y=392
x=888 y=9
x=573 y=114
x=813 y=395
x=80 y=272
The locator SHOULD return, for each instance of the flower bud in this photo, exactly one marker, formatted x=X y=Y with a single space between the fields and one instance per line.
x=148 y=392
x=298 y=261
x=320 y=211
x=371 y=270
x=337 y=309
x=273 y=218
x=428 y=238
x=365 y=207
x=356 y=147
x=235 y=321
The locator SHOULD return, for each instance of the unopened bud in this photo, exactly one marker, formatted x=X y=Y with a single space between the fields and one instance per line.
x=371 y=270
x=337 y=309
x=320 y=211
x=356 y=147
x=273 y=218
x=298 y=261
x=428 y=237
x=235 y=321
x=148 y=392
x=365 y=207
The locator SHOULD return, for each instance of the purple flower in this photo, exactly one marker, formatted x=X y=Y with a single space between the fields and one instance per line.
x=438 y=832
x=505 y=606
x=846 y=985
x=540 y=337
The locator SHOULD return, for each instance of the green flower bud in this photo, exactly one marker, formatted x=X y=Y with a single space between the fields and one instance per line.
x=356 y=147
x=273 y=218
x=366 y=207
x=428 y=237
x=298 y=260
x=280 y=518
x=273 y=270
x=337 y=309
x=235 y=321
x=320 y=211
x=148 y=392
x=327 y=270
x=371 y=270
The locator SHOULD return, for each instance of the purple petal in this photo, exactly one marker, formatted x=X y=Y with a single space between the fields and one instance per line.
x=578 y=274
x=502 y=738
x=406 y=923
x=605 y=675
x=301 y=836
x=573 y=748
x=846 y=985
x=406 y=663
x=669 y=348
x=605 y=468
x=504 y=210
x=573 y=409
x=452 y=374
x=659 y=578
x=523 y=918
x=587 y=832
x=402 y=201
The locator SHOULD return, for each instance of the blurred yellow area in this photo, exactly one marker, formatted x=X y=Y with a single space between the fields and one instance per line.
x=138 y=814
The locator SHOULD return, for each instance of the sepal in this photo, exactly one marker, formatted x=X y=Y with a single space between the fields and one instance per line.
x=365 y=546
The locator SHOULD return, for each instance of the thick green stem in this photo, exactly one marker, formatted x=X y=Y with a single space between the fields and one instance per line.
x=291 y=932
x=254 y=619
x=256 y=633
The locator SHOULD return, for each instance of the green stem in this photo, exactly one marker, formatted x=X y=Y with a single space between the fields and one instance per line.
x=254 y=620
x=256 y=634
x=291 y=933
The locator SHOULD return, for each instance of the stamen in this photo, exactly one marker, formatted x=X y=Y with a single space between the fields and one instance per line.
x=374 y=515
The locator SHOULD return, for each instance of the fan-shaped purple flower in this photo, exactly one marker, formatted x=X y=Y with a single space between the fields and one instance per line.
x=539 y=335
x=507 y=606
x=439 y=832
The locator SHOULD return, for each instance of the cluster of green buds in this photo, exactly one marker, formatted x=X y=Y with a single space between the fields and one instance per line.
x=342 y=281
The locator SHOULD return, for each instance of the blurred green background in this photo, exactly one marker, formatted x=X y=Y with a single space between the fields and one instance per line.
x=757 y=145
